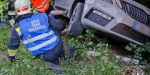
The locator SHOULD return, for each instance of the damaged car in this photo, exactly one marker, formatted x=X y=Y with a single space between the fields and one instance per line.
x=125 y=20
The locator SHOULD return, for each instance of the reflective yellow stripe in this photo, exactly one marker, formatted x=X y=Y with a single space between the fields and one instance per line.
x=13 y=20
x=12 y=51
x=18 y=29
x=11 y=12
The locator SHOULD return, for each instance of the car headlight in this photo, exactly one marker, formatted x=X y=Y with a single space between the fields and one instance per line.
x=118 y=2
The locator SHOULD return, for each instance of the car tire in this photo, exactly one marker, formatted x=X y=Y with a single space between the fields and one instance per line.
x=75 y=28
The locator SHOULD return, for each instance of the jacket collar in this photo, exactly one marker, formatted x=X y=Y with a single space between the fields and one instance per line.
x=21 y=17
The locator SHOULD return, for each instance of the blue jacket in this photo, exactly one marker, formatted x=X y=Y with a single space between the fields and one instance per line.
x=36 y=32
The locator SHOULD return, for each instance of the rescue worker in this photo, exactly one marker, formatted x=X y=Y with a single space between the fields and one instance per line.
x=39 y=33
x=11 y=12
x=44 y=6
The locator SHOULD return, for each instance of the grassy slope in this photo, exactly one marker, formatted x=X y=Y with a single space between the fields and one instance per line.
x=104 y=64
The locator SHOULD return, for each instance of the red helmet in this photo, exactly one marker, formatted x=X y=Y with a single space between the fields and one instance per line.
x=40 y=5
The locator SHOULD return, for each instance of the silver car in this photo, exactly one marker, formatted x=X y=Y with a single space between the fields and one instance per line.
x=124 y=20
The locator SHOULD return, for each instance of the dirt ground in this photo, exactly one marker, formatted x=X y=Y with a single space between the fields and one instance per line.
x=2 y=56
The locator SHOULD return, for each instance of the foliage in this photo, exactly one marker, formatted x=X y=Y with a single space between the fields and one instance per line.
x=104 y=64
x=4 y=35
x=147 y=69
x=4 y=8
x=139 y=51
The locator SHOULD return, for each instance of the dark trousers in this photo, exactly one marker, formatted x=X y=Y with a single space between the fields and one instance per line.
x=54 y=54
x=11 y=17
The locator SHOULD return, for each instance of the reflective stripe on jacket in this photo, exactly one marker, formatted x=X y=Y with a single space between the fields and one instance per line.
x=11 y=13
x=36 y=34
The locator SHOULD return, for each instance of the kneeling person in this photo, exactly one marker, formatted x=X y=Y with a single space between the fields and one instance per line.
x=39 y=33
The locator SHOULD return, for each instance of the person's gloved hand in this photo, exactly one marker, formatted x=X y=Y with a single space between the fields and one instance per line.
x=11 y=58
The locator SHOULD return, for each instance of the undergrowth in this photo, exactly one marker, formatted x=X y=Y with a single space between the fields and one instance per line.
x=104 y=64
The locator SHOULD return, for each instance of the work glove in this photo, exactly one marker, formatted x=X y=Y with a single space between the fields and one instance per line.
x=11 y=58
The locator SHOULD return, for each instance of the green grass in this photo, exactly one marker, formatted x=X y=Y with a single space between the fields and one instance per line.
x=104 y=64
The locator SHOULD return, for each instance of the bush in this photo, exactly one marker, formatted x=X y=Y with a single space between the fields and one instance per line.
x=139 y=51
x=4 y=36
x=104 y=64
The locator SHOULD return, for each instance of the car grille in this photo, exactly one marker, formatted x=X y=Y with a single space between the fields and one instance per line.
x=136 y=13
x=108 y=1
x=99 y=17
x=130 y=33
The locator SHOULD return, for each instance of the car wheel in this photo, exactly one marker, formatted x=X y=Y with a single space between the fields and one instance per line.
x=75 y=27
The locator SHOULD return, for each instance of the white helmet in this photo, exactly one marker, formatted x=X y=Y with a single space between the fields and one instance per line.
x=22 y=7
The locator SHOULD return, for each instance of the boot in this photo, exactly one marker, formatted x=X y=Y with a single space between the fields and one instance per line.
x=71 y=50
x=56 y=68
